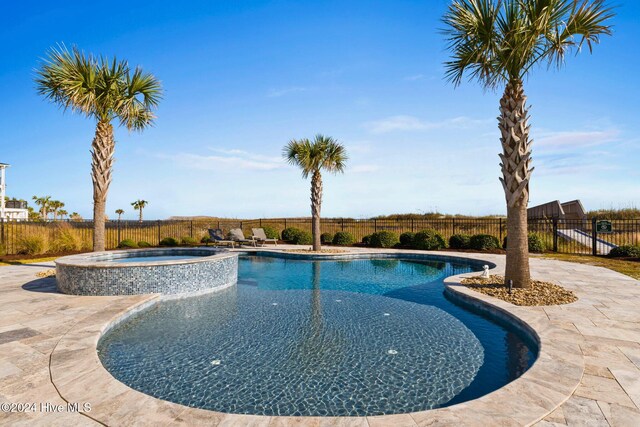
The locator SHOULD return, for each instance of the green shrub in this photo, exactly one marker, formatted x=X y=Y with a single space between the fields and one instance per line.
x=189 y=241
x=384 y=239
x=406 y=238
x=535 y=241
x=271 y=232
x=303 y=238
x=326 y=238
x=459 y=241
x=366 y=240
x=428 y=240
x=289 y=234
x=343 y=238
x=484 y=242
x=169 y=241
x=31 y=245
x=626 y=251
x=143 y=244
x=127 y=244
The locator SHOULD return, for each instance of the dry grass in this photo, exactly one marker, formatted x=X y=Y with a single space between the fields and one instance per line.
x=630 y=268
x=539 y=293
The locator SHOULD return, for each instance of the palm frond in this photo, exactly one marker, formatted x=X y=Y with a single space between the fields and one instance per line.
x=323 y=153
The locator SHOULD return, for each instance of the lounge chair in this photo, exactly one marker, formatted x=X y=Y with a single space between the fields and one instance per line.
x=260 y=236
x=217 y=237
x=237 y=236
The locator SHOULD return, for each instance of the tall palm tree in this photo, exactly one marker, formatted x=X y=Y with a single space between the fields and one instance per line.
x=323 y=153
x=139 y=205
x=119 y=212
x=104 y=90
x=44 y=203
x=497 y=43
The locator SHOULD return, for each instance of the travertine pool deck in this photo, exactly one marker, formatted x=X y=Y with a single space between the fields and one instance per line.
x=589 y=363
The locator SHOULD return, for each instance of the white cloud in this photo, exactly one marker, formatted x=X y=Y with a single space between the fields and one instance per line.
x=412 y=123
x=276 y=93
x=576 y=139
x=363 y=168
x=414 y=77
x=234 y=159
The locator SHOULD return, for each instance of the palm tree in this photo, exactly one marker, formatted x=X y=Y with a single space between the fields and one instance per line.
x=498 y=42
x=44 y=203
x=55 y=206
x=119 y=212
x=139 y=205
x=312 y=157
x=75 y=216
x=104 y=90
x=62 y=213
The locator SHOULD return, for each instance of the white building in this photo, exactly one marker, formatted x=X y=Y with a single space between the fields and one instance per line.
x=11 y=210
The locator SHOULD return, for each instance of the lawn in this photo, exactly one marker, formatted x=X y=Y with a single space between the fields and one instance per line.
x=630 y=268
x=5 y=262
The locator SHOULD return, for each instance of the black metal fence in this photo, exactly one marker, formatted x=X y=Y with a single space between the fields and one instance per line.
x=563 y=236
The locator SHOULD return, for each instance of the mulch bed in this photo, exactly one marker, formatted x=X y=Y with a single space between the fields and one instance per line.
x=540 y=293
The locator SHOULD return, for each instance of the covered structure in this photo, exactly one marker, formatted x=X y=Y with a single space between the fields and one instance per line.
x=573 y=210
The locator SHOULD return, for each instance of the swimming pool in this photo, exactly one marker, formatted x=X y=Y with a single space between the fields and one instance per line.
x=325 y=338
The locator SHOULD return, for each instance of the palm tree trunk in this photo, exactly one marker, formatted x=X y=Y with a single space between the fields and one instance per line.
x=102 y=150
x=140 y=214
x=316 y=202
x=516 y=159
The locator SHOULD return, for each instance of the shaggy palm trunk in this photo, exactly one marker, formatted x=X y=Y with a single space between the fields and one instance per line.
x=102 y=150
x=140 y=214
x=316 y=201
x=516 y=158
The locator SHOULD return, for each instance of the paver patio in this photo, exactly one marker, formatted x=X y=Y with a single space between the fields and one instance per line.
x=45 y=337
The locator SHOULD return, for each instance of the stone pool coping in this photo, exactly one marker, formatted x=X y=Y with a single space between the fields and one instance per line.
x=77 y=373
x=101 y=259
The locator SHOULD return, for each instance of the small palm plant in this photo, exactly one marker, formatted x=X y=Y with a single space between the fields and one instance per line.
x=119 y=212
x=104 y=90
x=139 y=205
x=323 y=153
x=498 y=42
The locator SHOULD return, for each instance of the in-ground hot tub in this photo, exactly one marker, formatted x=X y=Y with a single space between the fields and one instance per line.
x=166 y=271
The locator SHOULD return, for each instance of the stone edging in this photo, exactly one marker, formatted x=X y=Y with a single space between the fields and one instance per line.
x=78 y=375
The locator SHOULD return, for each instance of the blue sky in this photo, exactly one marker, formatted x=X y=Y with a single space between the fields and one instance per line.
x=243 y=78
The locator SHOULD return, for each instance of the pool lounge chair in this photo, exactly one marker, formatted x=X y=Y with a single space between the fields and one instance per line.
x=260 y=236
x=237 y=236
x=217 y=237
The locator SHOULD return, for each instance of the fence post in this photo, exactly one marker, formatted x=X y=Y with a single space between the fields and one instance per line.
x=260 y=222
x=412 y=230
x=218 y=224
x=342 y=224
x=555 y=234
x=119 y=237
x=594 y=237
x=500 y=226
x=375 y=225
x=285 y=223
x=159 y=238
x=453 y=226
x=191 y=229
x=2 y=234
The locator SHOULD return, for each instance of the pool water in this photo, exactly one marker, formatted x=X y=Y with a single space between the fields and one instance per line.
x=154 y=258
x=319 y=338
